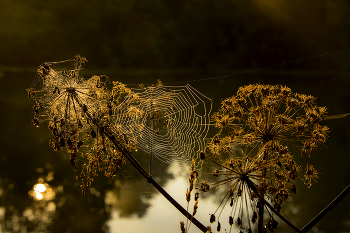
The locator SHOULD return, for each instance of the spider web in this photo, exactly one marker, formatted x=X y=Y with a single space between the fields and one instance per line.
x=169 y=122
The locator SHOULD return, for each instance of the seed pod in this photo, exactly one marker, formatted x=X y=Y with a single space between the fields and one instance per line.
x=35 y=122
x=182 y=227
x=254 y=217
x=230 y=220
x=239 y=221
x=80 y=143
x=293 y=189
x=212 y=218
x=93 y=133
x=196 y=196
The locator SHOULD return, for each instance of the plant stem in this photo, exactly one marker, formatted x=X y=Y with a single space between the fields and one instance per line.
x=326 y=210
x=143 y=172
x=252 y=186
x=261 y=215
x=108 y=132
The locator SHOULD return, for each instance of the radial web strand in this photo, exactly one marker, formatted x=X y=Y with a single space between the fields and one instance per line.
x=171 y=122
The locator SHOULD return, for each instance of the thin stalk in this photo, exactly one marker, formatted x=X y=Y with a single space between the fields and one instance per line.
x=252 y=186
x=151 y=154
x=143 y=172
x=326 y=210
x=261 y=215
x=110 y=135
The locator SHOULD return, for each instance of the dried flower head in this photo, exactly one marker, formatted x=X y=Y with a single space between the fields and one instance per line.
x=309 y=175
x=79 y=113
x=270 y=178
x=260 y=115
x=252 y=159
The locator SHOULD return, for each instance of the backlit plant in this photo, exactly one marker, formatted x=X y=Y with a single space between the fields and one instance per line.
x=78 y=112
x=251 y=153
x=96 y=121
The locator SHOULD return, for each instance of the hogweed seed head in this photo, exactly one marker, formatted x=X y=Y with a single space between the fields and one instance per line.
x=195 y=207
x=252 y=158
x=310 y=174
x=182 y=227
x=80 y=115
x=262 y=114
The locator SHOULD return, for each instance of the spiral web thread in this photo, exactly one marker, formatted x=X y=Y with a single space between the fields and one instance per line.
x=64 y=91
x=170 y=122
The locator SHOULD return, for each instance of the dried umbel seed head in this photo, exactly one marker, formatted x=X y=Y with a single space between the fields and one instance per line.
x=196 y=196
x=255 y=126
x=65 y=95
x=272 y=224
x=266 y=114
x=238 y=174
x=310 y=174
x=293 y=189
x=212 y=218
x=230 y=220
x=182 y=227
x=77 y=111
x=195 y=207
x=218 y=228
x=204 y=186
x=188 y=195
x=239 y=221
x=254 y=217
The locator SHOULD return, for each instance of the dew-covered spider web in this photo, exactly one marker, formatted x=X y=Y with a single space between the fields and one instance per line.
x=169 y=122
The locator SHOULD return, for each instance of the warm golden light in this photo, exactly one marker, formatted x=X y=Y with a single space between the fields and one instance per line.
x=42 y=191
x=38 y=195
x=40 y=188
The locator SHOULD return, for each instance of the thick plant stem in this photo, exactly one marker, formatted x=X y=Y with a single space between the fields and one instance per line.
x=252 y=186
x=261 y=215
x=326 y=210
x=108 y=132
x=143 y=172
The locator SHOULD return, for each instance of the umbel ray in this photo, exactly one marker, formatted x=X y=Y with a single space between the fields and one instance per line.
x=99 y=123
x=99 y=126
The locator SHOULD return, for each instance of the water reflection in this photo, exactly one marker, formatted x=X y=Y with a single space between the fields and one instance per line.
x=31 y=216
x=128 y=202
x=43 y=191
x=38 y=189
x=39 y=193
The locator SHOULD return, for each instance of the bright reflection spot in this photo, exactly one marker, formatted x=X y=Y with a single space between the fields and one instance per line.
x=42 y=191
x=40 y=188
x=38 y=195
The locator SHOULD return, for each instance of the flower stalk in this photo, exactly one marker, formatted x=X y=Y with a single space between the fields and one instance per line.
x=261 y=198
x=81 y=115
x=110 y=135
x=326 y=210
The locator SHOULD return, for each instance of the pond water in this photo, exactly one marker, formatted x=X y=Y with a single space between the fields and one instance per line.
x=39 y=191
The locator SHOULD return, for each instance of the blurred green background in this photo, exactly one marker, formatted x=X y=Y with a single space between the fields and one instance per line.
x=216 y=46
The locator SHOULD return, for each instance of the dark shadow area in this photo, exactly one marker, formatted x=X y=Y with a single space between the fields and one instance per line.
x=215 y=46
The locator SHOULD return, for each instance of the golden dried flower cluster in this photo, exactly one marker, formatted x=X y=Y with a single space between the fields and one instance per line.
x=251 y=153
x=261 y=115
x=80 y=112
x=192 y=182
